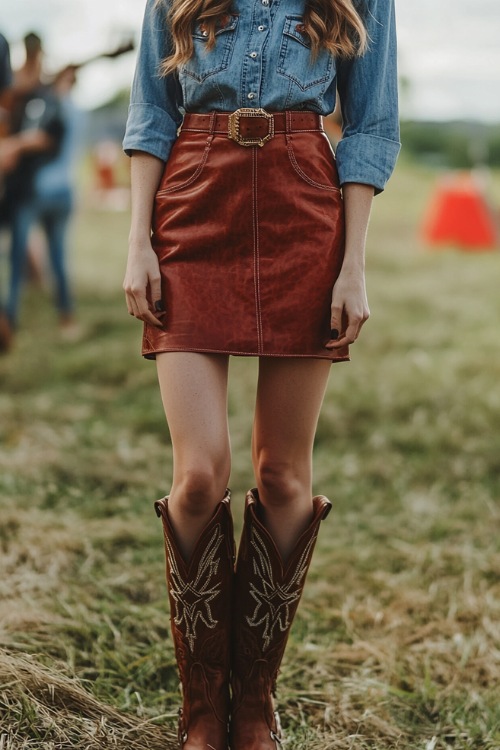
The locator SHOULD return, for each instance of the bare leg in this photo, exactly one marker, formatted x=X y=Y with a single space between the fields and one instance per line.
x=194 y=394
x=289 y=397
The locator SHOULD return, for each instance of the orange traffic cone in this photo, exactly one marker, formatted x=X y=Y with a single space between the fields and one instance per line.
x=459 y=215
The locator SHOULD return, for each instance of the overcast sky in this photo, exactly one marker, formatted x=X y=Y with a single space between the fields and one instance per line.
x=449 y=49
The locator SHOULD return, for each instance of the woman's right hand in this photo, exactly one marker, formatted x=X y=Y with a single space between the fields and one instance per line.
x=143 y=275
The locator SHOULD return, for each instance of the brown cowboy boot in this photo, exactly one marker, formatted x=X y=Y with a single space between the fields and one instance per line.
x=267 y=595
x=200 y=608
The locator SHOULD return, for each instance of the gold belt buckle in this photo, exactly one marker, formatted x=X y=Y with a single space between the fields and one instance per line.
x=234 y=126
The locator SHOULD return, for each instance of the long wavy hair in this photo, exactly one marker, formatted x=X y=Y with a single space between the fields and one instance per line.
x=335 y=25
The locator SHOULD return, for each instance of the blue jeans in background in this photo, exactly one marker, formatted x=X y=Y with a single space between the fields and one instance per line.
x=51 y=212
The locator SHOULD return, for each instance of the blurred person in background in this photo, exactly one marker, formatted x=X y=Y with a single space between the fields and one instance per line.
x=248 y=238
x=31 y=132
x=37 y=141
x=46 y=196
x=39 y=154
x=27 y=79
x=39 y=189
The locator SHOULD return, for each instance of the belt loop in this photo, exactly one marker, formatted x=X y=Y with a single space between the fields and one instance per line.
x=211 y=126
x=288 y=121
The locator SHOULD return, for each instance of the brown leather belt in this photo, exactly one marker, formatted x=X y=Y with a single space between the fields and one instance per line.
x=253 y=127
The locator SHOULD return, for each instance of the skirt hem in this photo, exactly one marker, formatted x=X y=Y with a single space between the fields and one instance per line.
x=198 y=350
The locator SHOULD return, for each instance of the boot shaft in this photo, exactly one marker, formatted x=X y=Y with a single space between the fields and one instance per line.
x=268 y=590
x=200 y=590
x=267 y=594
x=200 y=593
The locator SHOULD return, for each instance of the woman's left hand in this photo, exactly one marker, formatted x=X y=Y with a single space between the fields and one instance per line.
x=349 y=303
x=350 y=309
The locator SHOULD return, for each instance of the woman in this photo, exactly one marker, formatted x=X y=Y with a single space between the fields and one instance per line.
x=248 y=239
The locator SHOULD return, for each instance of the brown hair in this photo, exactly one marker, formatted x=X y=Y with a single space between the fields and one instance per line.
x=334 y=25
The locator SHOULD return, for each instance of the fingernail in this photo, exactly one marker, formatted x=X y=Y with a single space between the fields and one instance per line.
x=159 y=306
x=334 y=334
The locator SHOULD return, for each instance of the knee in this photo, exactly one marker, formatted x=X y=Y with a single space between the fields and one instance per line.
x=200 y=486
x=281 y=482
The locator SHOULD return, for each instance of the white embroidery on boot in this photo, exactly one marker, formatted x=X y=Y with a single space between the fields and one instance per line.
x=273 y=600
x=193 y=598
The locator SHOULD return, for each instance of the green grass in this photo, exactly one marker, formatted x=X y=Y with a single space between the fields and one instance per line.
x=397 y=640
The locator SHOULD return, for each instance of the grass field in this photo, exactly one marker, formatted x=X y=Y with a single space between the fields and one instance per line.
x=397 y=640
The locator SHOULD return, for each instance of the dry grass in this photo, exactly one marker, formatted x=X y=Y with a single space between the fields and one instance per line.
x=62 y=714
x=397 y=641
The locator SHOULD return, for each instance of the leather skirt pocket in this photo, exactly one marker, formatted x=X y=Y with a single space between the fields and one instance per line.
x=185 y=164
x=320 y=172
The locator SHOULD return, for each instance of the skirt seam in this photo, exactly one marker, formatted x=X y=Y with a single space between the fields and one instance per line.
x=256 y=269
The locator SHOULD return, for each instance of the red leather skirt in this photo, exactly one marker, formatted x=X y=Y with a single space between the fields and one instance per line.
x=250 y=239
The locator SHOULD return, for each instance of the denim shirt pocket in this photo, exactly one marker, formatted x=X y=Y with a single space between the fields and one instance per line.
x=204 y=62
x=295 y=61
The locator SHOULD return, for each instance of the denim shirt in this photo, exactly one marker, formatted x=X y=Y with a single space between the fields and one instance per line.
x=263 y=59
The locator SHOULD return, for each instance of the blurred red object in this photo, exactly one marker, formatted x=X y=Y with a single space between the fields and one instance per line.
x=459 y=214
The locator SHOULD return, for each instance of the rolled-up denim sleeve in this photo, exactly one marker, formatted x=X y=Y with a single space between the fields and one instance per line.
x=154 y=115
x=368 y=90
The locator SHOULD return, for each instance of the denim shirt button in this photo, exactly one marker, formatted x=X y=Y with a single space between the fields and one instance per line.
x=251 y=95
x=261 y=28
x=253 y=55
x=265 y=2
